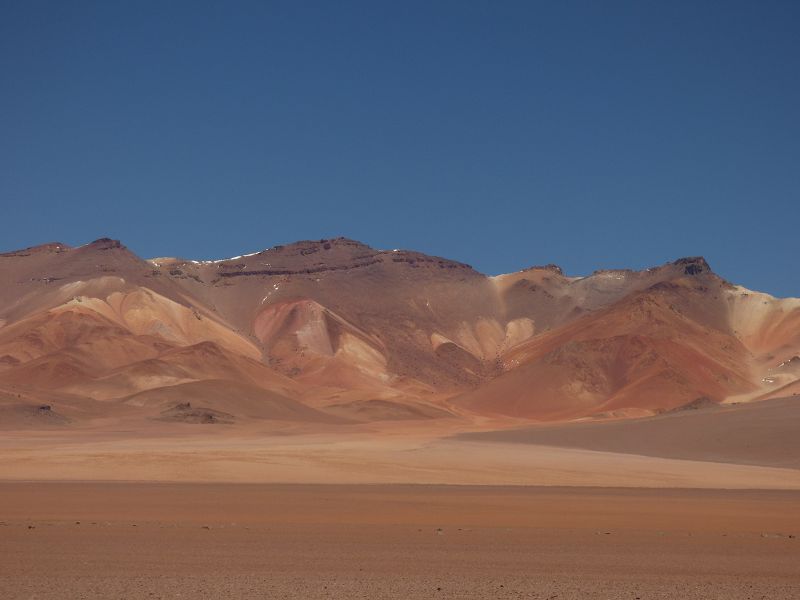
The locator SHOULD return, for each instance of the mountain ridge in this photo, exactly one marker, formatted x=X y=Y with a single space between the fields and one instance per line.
x=376 y=334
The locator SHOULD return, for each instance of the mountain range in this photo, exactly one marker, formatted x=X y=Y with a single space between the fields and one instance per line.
x=333 y=332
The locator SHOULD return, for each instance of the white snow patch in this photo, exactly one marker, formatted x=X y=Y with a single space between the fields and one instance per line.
x=210 y=262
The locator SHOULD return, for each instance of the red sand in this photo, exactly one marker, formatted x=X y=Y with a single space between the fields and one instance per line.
x=257 y=541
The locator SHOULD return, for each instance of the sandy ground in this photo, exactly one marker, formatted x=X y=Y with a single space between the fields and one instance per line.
x=214 y=454
x=760 y=433
x=91 y=540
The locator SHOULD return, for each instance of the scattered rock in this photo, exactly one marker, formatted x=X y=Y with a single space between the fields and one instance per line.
x=767 y=534
x=184 y=413
x=702 y=402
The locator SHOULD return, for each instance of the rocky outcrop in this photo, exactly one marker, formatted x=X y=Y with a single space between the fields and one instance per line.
x=693 y=265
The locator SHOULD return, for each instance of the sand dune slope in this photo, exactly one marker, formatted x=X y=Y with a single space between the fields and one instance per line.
x=762 y=433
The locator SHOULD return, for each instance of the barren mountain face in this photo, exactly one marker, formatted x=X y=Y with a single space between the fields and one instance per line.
x=332 y=332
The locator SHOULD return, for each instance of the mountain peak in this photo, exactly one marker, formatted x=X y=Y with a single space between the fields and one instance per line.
x=105 y=244
x=693 y=265
x=548 y=267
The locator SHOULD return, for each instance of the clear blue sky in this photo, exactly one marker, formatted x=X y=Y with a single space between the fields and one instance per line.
x=502 y=134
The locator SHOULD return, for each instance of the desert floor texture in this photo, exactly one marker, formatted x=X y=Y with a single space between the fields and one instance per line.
x=174 y=540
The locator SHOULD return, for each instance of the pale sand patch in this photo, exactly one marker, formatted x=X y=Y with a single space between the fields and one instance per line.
x=362 y=458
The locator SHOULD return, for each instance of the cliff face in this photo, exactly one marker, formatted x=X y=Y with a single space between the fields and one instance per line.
x=344 y=330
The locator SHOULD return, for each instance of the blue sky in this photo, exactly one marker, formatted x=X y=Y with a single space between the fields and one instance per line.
x=502 y=134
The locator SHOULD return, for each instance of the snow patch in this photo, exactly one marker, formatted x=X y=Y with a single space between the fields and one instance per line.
x=211 y=262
